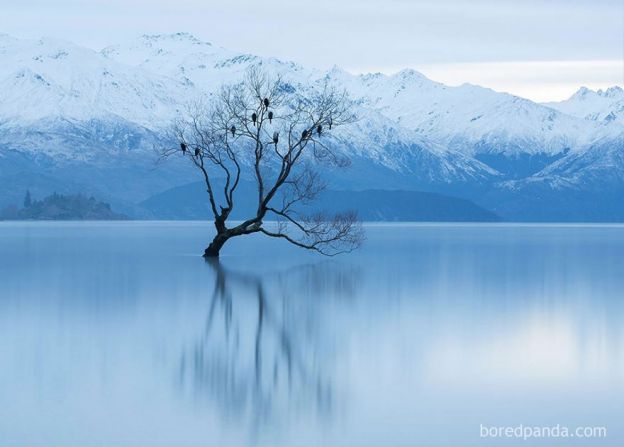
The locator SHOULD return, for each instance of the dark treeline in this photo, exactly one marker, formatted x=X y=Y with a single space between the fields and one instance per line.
x=61 y=207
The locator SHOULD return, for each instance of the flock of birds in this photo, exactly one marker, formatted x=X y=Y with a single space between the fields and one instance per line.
x=254 y=118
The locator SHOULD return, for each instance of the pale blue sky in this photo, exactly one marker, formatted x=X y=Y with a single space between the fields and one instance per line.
x=540 y=49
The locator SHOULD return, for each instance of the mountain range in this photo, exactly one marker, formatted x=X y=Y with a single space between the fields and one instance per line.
x=76 y=120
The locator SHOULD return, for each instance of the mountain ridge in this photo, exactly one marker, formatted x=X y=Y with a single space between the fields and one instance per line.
x=185 y=202
x=79 y=109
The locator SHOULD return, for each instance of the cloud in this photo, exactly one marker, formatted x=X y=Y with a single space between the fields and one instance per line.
x=352 y=33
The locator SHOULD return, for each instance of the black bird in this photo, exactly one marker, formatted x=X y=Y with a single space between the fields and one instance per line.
x=197 y=152
x=275 y=137
x=233 y=129
x=254 y=118
x=183 y=147
x=304 y=134
x=266 y=102
x=319 y=129
x=270 y=117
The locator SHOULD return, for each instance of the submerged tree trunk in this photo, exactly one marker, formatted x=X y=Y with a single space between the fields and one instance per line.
x=215 y=246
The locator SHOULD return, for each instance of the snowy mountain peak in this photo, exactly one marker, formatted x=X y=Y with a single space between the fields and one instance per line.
x=410 y=74
x=51 y=79
x=66 y=105
x=581 y=93
x=372 y=76
x=336 y=70
x=612 y=92
x=175 y=37
x=585 y=93
x=148 y=79
x=161 y=53
x=605 y=107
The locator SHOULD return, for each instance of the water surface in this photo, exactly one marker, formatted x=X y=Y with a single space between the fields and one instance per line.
x=119 y=334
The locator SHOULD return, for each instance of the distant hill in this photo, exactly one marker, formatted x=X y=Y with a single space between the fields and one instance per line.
x=191 y=202
x=61 y=207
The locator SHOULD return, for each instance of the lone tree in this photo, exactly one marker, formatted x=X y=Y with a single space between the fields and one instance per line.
x=262 y=129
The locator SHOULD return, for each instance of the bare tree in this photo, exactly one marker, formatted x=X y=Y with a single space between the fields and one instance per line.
x=261 y=129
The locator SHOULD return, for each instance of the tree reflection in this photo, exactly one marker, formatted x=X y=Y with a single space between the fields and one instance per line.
x=267 y=347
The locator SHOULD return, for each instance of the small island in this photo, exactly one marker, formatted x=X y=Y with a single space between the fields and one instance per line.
x=61 y=207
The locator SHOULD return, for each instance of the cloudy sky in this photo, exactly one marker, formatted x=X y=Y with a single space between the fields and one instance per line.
x=541 y=49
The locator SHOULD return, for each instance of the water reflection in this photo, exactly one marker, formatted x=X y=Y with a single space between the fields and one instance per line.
x=263 y=350
x=118 y=334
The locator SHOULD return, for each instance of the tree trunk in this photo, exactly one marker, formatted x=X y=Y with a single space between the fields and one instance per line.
x=215 y=246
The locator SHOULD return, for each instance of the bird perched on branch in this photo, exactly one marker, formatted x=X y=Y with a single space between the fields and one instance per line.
x=275 y=137
x=266 y=102
x=319 y=129
x=183 y=147
x=254 y=118
x=197 y=152
x=270 y=117
x=233 y=130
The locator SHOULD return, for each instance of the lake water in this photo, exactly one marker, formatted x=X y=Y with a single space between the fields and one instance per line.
x=119 y=334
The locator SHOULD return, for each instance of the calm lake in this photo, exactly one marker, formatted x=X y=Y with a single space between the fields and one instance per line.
x=119 y=334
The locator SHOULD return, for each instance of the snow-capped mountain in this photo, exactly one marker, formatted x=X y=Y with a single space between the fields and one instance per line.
x=59 y=99
x=602 y=106
x=196 y=63
x=49 y=78
x=469 y=118
x=66 y=111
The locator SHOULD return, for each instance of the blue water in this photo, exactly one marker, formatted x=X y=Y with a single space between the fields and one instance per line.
x=119 y=334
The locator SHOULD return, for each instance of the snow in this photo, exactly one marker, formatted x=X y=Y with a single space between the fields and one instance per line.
x=405 y=118
x=51 y=78
x=605 y=107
